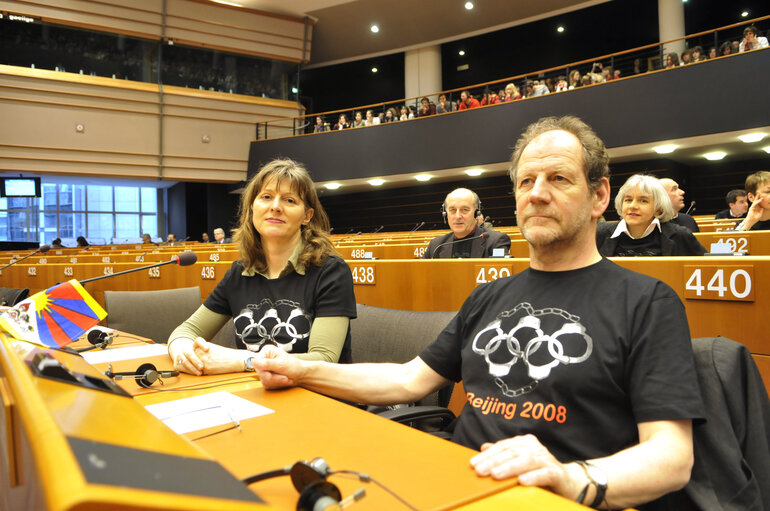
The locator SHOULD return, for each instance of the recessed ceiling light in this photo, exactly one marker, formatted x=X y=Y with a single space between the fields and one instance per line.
x=374 y=70
x=474 y=172
x=226 y=3
x=560 y=29
x=423 y=177
x=766 y=149
x=461 y=53
x=665 y=149
x=716 y=155
x=469 y=5
x=752 y=137
x=332 y=186
x=376 y=182
x=745 y=14
x=374 y=29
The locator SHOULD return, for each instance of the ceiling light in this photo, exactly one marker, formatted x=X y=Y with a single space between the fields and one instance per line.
x=294 y=90
x=374 y=29
x=374 y=70
x=332 y=186
x=665 y=149
x=745 y=14
x=226 y=3
x=474 y=172
x=752 y=137
x=766 y=149
x=423 y=177
x=716 y=155
x=469 y=5
x=560 y=29
x=461 y=53
x=376 y=182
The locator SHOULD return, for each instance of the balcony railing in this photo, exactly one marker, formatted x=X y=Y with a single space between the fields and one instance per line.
x=709 y=45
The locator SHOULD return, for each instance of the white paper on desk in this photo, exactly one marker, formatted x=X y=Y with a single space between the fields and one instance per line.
x=116 y=353
x=205 y=411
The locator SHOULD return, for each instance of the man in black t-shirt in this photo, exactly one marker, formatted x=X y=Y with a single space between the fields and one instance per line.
x=578 y=374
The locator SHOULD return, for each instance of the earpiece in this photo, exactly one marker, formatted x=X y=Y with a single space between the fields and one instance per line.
x=145 y=375
x=99 y=339
x=309 y=478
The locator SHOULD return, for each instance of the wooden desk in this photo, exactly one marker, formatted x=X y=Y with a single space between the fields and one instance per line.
x=444 y=284
x=44 y=415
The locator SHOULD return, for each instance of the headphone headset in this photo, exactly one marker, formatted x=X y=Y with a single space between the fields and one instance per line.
x=476 y=212
x=99 y=339
x=145 y=375
x=309 y=478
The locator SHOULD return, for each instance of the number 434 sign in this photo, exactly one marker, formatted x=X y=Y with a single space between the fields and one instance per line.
x=734 y=283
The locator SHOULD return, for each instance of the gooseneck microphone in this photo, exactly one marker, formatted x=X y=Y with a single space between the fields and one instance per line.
x=42 y=250
x=691 y=208
x=416 y=226
x=379 y=229
x=433 y=255
x=186 y=258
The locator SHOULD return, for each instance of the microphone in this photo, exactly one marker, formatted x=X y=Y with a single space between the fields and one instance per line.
x=691 y=208
x=186 y=258
x=379 y=229
x=416 y=226
x=433 y=255
x=42 y=250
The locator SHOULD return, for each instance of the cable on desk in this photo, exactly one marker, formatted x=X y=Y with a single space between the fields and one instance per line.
x=365 y=478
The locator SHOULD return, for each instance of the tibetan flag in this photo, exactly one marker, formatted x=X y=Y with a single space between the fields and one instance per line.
x=55 y=317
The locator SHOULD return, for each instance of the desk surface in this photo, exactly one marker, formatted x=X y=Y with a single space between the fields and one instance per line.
x=428 y=472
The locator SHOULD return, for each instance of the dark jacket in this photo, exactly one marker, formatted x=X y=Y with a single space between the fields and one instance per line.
x=481 y=247
x=675 y=240
x=687 y=221
x=732 y=447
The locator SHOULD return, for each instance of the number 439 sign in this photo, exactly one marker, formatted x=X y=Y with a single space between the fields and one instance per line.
x=734 y=283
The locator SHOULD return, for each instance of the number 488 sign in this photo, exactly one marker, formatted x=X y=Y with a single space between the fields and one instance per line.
x=734 y=283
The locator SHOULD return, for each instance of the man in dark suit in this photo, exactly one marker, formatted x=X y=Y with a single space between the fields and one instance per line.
x=737 y=205
x=460 y=210
x=219 y=236
x=676 y=194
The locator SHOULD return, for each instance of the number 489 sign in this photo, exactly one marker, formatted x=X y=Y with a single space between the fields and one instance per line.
x=734 y=283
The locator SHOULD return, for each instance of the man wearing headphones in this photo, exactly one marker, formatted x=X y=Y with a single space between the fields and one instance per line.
x=460 y=210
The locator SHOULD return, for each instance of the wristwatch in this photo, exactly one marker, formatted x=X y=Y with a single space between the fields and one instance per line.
x=247 y=364
x=598 y=478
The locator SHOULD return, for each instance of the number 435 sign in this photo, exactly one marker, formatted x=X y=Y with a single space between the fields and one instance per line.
x=735 y=283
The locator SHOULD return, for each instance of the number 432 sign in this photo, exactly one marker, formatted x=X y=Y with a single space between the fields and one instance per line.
x=734 y=283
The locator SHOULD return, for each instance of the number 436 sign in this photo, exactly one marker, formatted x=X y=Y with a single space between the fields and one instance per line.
x=735 y=283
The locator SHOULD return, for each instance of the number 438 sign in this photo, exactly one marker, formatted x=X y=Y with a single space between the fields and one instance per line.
x=735 y=283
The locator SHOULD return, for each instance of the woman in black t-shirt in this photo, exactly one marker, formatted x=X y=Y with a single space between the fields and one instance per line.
x=288 y=288
x=644 y=230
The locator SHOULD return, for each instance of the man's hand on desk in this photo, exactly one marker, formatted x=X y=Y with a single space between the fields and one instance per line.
x=276 y=368
x=202 y=357
x=524 y=456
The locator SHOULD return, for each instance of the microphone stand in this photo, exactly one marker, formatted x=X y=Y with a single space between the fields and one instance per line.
x=38 y=251
x=100 y=277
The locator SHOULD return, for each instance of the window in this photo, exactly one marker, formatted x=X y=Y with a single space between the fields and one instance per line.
x=101 y=213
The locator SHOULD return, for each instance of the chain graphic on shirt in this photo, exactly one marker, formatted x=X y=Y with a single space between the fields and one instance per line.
x=271 y=328
x=525 y=339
